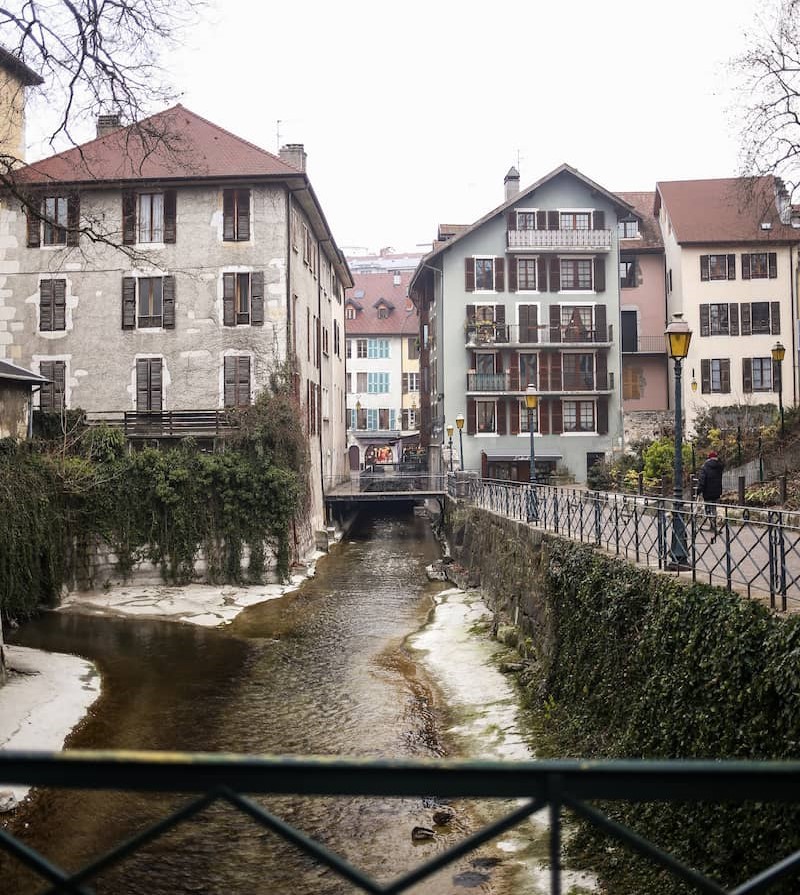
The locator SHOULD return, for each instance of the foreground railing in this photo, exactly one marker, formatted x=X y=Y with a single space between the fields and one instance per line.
x=542 y=785
x=743 y=550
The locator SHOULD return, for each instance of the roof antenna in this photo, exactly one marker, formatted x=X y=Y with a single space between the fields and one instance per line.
x=278 y=123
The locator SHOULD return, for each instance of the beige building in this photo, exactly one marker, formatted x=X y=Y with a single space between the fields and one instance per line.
x=731 y=260
x=15 y=76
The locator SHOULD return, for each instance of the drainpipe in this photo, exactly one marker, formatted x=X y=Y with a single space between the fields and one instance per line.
x=794 y=317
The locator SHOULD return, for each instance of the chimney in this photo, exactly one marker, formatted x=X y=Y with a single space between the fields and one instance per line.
x=107 y=123
x=511 y=183
x=293 y=154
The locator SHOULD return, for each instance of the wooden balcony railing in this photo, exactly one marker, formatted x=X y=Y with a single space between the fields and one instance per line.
x=560 y=240
x=167 y=423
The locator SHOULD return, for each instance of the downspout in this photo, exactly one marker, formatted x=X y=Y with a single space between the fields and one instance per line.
x=794 y=325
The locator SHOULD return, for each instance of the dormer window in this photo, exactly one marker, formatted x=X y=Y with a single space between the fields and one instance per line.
x=383 y=312
x=628 y=229
x=350 y=313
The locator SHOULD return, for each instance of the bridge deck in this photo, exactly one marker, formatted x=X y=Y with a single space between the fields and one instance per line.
x=367 y=488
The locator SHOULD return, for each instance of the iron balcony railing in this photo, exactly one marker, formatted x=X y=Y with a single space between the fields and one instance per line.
x=534 y=786
x=560 y=240
x=756 y=553
x=644 y=345
x=510 y=382
x=483 y=334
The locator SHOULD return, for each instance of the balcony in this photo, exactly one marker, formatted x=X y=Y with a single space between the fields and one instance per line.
x=552 y=381
x=559 y=240
x=644 y=345
x=480 y=335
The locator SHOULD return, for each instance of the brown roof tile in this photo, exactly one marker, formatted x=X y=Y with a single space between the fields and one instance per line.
x=649 y=231
x=367 y=292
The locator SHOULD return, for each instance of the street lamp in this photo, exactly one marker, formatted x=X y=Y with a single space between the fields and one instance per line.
x=450 y=444
x=531 y=400
x=778 y=354
x=460 y=426
x=678 y=336
x=358 y=413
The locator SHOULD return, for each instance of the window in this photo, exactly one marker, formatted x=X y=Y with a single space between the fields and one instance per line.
x=579 y=416
x=52 y=393
x=52 y=305
x=383 y=312
x=627 y=274
x=576 y=322
x=528 y=418
x=372 y=418
x=718 y=267
x=578 y=371
x=148 y=302
x=576 y=273
x=715 y=376
x=762 y=374
x=718 y=319
x=484 y=273
x=377 y=383
x=628 y=229
x=361 y=382
x=410 y=382
x=148 y=384
x=632 y=381
x=350 y=313
x=486 y=416
x=487 y=274
x=759 y=266
x=237 y=381
x=528 y=365
x=151 y=217
x=377 y=348
x=526 y=274
x=574 y=220
x=413 y=348
x=630 y=331
x=348 y=348
x=760 y=317
x=361 y=348
x=236 y=215
x=243 y=298
x=54 y=226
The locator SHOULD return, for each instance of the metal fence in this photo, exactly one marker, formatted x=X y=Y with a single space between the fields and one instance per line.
x=529 y=787
x=755 y=552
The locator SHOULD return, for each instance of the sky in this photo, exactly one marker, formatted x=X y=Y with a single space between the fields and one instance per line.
x=412 y=113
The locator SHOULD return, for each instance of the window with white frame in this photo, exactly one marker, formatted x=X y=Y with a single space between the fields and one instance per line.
x=526 y=274
x=528 y=366
x=486 y=416
x=628 y=229
x=150 y=217
x=718 y=319
x=762 y=374
x=54 y=226
x=528 y=418
x=576 y=273
x=574 y=220
x=484 y=274
x=526 y=220
x=361 y=348
x=579 y=416
x=377 y=348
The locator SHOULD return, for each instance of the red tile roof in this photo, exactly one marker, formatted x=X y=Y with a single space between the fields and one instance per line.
x=728 y=210
x=367 y=291
x=174 y=144
x=649 y=231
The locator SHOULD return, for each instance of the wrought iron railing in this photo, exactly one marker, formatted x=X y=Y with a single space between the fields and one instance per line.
x=479 y=335
x=755 y=552
x=551 y=786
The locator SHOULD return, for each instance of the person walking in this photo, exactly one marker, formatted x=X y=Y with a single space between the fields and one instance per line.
x=709 y=485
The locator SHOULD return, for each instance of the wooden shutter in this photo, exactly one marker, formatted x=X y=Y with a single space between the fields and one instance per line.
x=733 y=318
x=500 y=274
x=555 y=274
x=257 y=297
x=556 y=379
x=541 y=274
x=552 y=220
x=523 y=312
x=34 y=224
x=229 y=299
x=73 y=219
x=543 y=371
x=747 y=374
x=128 y=218
x=747 y=328
x=59 y=304
x=228 y=209
x=775 y=317
x=512 y=274
x=745 y=266
x=46 y=306
x=705 y=376
x=514 y=413
x=170 y=216
x=469 y=274
x=471 y=315
x=704 y=274
x=128 y=303
x=544 y=416
x=731 y=267
x=602 y=415
x=143 y=385
x=512 y=220
x=705 y=320
x=500 y=411
x=229 y=397
x=601 y=364
x=725 y=375
x=599 y=220
x=168 y=292
x=472 y=416
x=556 y=416
x=772 y=262
x=541 y=220
x=501 y=335
x=243 y=382
x=243 y=215
x=533 y=323
x=51 y=396
x=599 y=274
x=600 y=324
x=555 y=323
x=513 y=373
x=237 y=383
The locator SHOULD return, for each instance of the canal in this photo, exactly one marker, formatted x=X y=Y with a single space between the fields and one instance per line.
x=325 y=670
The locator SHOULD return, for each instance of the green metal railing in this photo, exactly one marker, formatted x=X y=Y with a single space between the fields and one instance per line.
x=543 y=785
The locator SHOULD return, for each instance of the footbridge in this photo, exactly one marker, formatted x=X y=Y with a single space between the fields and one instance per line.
x=385 y=484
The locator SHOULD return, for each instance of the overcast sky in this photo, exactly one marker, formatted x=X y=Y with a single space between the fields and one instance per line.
x=411 y=113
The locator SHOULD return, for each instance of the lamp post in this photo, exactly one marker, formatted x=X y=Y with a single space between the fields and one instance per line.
x=450 y=444
x=778 y=354
x=678 y=336
x=460 y=426
x=531 y=400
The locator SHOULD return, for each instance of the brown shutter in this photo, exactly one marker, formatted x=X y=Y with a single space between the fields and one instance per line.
x=552 y=220
x=747 y=328
x=601 y=362
x=557 y=416
x=524 y=328
x=602 y=415
x=745 y=266
x=229 y=377
x=128 y=303
x=704 y=275
x=34 y=224
x=469 y=274
x=168 y=285
x=170 y=216
x=705 y=377
x=512 y=220
x=500 y=410
x=500 y=274
x=472 y=416
x=747 y=374
x=555 y=274
x=500 y=323
x=725 y=375
x=555 y=323
x=600 y=324
x=46 y=306
x=512 y=274
x=59 y=304
x=228 y=209
x=541 y=274
x=155 y=384
x=733 y=318
x=544 y=416
x=533 y=324
x=556 y=380
x=142 y=385
x=705 y=320
x=775 y=317
x=599 y=220
x=471 y=315
x=59 y=376
x=73 y=219
x=243 y=381
x=513 y=373
x=599 y=274
x=128 y=218
x=731 y=267
x=257 y=297
x=228 y=299
x=543 y=370
x=243 y=215
x=541 y=220
x=772 y=260
x=514 y=412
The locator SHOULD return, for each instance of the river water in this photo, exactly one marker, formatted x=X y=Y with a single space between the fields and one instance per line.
x=325 y=670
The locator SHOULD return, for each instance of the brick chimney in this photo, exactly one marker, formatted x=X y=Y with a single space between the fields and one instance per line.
x=293 y=154
x=107 y=123
x=511 y=183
